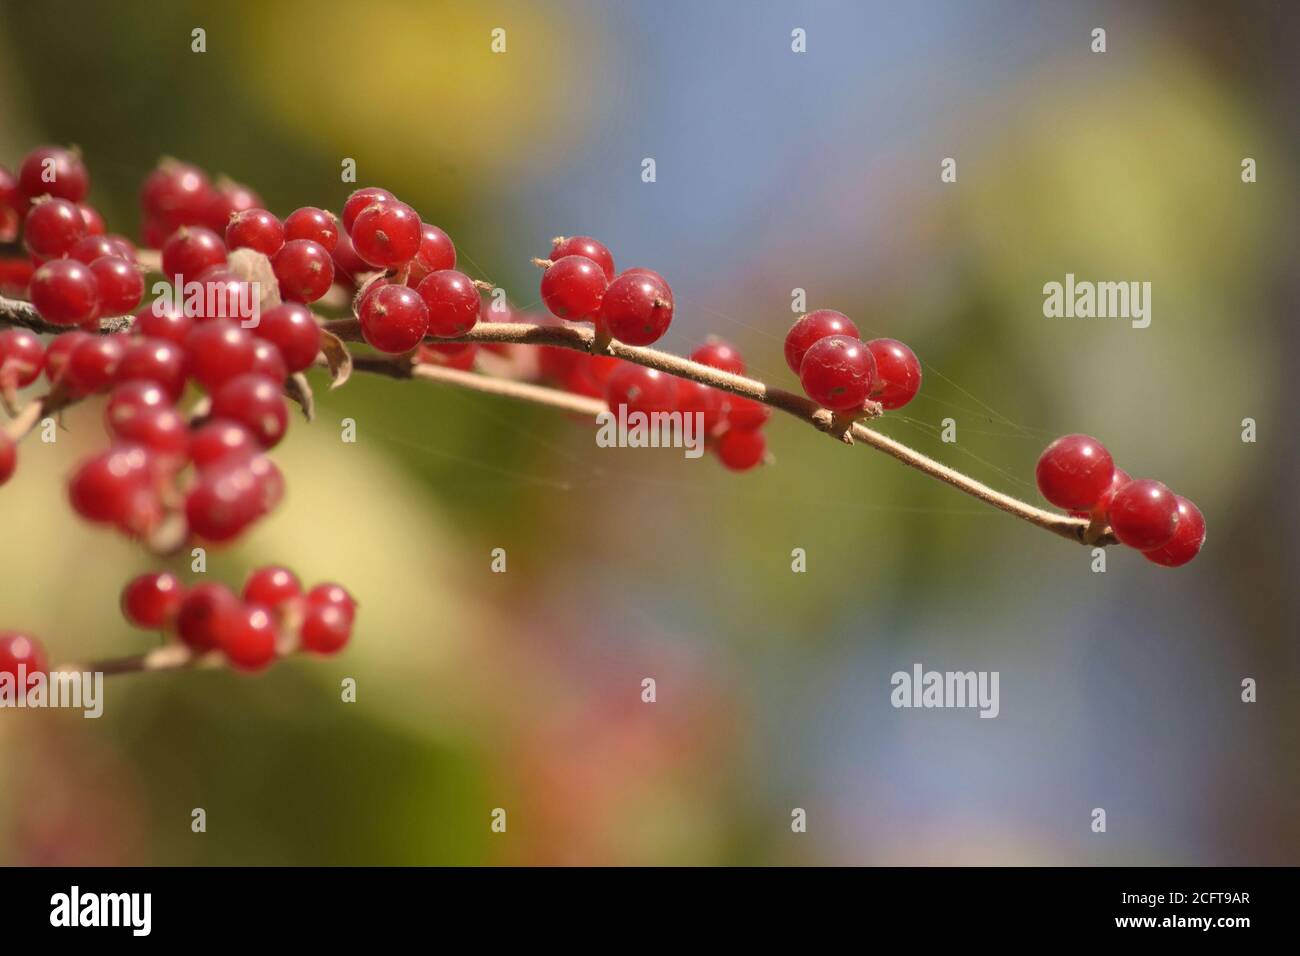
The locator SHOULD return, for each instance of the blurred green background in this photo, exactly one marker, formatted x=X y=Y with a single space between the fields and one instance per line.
x=775 y=171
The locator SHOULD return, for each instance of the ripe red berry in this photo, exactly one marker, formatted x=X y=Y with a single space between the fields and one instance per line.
x=255 y=402
x=318 y=225
x=92 y=363
x=164 y=320
x=453 y=302
x=190 y=250
x=154 y=360
x=636 y=309
x=1187 y=540
x=268 y=361
x=326 y=628
x=304 y=270
x=123 y=247
x=1074 y=472
x=21 y=358
x=332 y=595
x=359 y=200
x=811 y=328
x=163 y=431
x=293 y=330
x=1102 y=506
x=152 y=601
x=8 y=457
x=120 y=284
x=221 y=441
x=224 y=501
x=1144 y=514
x=54 y=171
x=720 y=355
x=838 y=372
x=640 y=389
x=594 y=250
x=692 y=397
x=223 y=296
x=21 y=654
x=741 y=449
x=93 y=220
x=217 y=351
x=573 y=288
x=436 y=253
x=133 y=398
x=207 y=613
x=255 y=229
x=89 y=248
x=898 y=373
x=59 y=350
x=271 y=586
x=175 y=194
x=228 y=200
x=347 y=264
x=52 y=228
x=744 y=414
x=386 y=234
x=103 y=488
x=393 y=318
x=249 y=644
x=64 y=292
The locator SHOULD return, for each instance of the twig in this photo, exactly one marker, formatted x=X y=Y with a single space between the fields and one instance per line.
x=24 y=314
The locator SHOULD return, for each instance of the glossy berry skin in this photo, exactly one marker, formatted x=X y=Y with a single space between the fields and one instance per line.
x=65 y=292
x=103 y=487
x=1144 y=514
x=164 y=321
x=52 y=228
x=359 y=200
x=217 y=351
x=1188 y=538
x=255 y=229
x=224 y=296
x=249 y=644
x=255 y=402
x=291 y=328
x=393 y=318
x=811 y=328
x=1099 y=510
x=436 y=252
x=21 y=358
x=838 y=373
x=190 y=250
x=120 y=284
x=640 y=389
x=348 y=266
x=721 y=355
x=271 y=586
x=163 y=431
x=332 y=595
x=898 y=373
x=636 y=309
x=22 y=654
x=64 y=178
x=93 y=220
x=92 y=363
x=154 y=360
x=386 y=234
x=594 y=250
x=693 y=397
x=744 y=414
x=8 y=457
x=152 y=601
x=175 y=194
x=573 y=288
x=224 y=501
x=221 y=441
x=89 y=248
x=208 y=612
x=318 y=225
x=453 y=302
x=326 y=628
x=741 y=449
x=268 y=361
x=304 y=270
x=59 y=350
x=228 y=200
x=1074 y=472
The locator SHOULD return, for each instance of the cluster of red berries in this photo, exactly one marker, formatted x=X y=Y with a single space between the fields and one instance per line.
x=841 y=372
x=1077 y=473
x=273 y=616
x=580 y=284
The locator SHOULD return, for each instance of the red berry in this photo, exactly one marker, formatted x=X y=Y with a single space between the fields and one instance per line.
x=360 y=199
x=8 y=457
x=393 y=318
x=22 y=654
x=224 y=501
x=744 y=414
x=52 y=228
x=741 y=449
x=271 y=586
x=436 y=252
x=720 y=355
x=54 y=171
x=163 y=431
x=573 y=288
x=164 y=320
x=216 y=352
x=221 y=441
x=228 y=200
x=1187 y=540
x=154 y=360
x=93 y=220
x=123 y=248
x=692 y=397
x=64 y=292
x=207 y=613
x=293 y=330
x=255 y=229
x=21 y=358
x=59 y=350
x=120 y=284
x=453 y=302
x=898 y=373
x=332 y=595
x=89 y=248
x=268 y=361
x=104 y=487
x=386 y=234
x=175 y=194
x=255 y=402
x=811 y=328
x=838 y=372
x=223 y=295
x=190 y=250
x=1102 y=506
x=304 y=270
x=318 y=225
x=640 y=389
x=133 y=398
x=1144 y=514
x=636 y=309
x=152 y=601
x=347 y=264
x=249 y=644
x=326 y=628
x=596 y=251
x=1074 y=472
x=92 y=363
